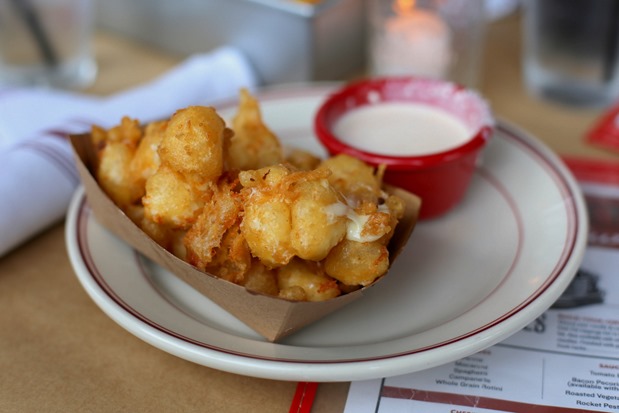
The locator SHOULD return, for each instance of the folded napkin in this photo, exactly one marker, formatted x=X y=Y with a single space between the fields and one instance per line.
x=37 y=174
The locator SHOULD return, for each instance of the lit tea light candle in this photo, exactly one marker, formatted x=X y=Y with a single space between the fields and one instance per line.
x=414 y=41
x=401 y=129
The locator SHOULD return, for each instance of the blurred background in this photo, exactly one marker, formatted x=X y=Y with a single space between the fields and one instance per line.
x=566 y=51
x=285 y=40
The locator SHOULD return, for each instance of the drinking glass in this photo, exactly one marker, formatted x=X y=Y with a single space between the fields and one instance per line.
x=570 y=50
x=46 y=43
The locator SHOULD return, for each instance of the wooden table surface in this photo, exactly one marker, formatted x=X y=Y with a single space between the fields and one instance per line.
x=60 y=353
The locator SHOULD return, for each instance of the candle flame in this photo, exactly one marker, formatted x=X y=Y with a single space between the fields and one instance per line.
x=403 y=7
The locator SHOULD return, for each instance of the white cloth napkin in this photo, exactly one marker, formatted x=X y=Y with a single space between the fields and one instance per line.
x=37 y=173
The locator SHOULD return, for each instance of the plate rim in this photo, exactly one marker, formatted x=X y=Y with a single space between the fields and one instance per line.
x=352 y=369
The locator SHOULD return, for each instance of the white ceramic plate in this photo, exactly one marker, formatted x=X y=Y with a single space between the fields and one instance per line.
x=464 y=282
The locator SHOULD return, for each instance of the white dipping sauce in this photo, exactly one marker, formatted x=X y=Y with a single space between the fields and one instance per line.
x=401 y=129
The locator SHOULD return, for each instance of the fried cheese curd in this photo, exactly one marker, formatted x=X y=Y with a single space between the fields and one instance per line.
x=253 y=144
x=228 y=201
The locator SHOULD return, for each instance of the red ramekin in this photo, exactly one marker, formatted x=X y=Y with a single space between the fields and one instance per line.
x=440 y=179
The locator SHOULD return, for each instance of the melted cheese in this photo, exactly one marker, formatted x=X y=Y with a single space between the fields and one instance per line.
x=355 y=222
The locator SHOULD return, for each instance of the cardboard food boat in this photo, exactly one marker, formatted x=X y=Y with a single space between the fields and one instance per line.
x=271 y=317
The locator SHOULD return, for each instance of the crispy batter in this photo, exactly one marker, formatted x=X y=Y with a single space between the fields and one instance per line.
x=227 y=202
x=253 y=144
x=267 y=222
x=193 y=144
x=171 y=200
x=357 y=263
x=315 y=228
x=117 y=148
x=302 y=160
x=220 y=213
x=309 y=276
x=289 y=213
x=354 y=178
x=232 y=259
x=146 y=160
x=191 y=160
x=261 y=279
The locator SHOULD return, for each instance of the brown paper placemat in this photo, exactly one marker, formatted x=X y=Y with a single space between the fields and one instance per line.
x=60 y=352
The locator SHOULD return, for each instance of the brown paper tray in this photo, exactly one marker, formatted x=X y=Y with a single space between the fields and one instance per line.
x=271 y=317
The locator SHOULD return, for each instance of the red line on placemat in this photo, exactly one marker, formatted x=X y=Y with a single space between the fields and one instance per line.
x=475 y=401
x=303 y=397
x=593 y=170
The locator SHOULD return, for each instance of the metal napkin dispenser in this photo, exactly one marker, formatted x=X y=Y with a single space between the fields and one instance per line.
x=285 y=40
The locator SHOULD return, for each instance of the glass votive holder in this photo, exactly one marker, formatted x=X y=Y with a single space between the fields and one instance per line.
x=441 y=39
